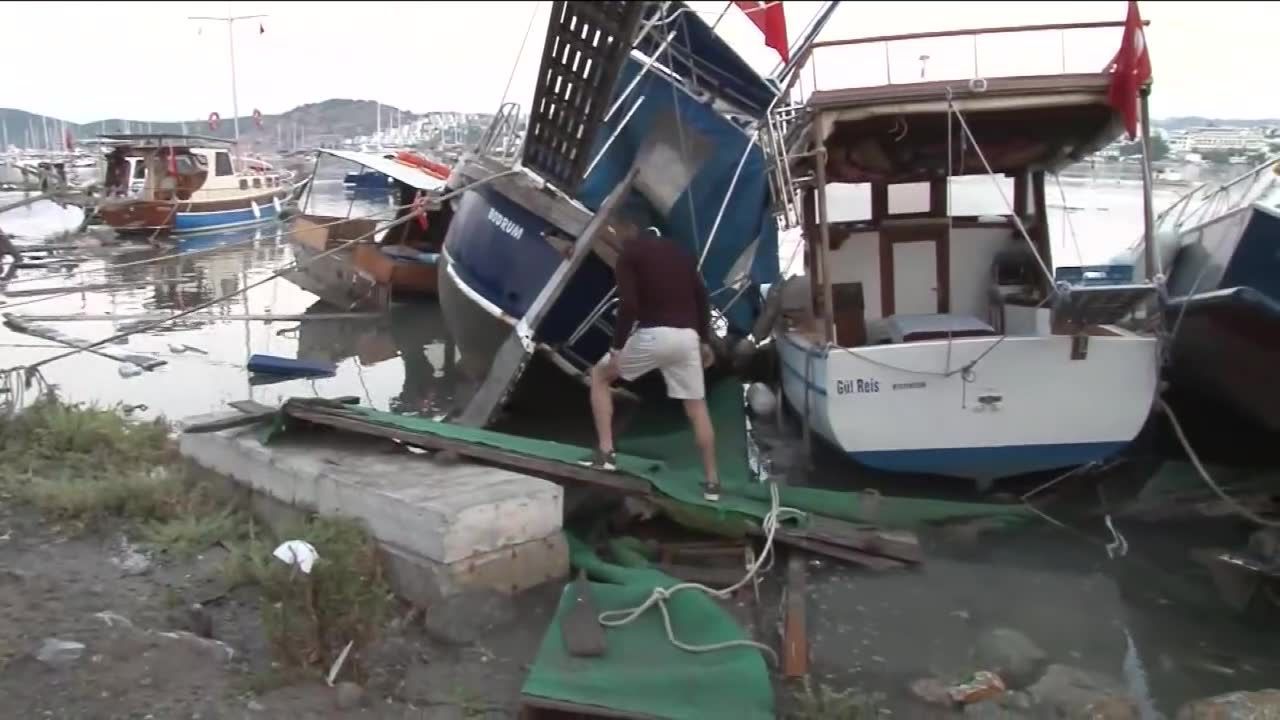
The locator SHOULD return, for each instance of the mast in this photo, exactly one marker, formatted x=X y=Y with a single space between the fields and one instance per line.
x=1151 y=254
x=230 y=20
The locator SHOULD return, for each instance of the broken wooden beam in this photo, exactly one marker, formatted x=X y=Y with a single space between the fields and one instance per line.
x=795 y=632
x=16 y=323
x=508 y=459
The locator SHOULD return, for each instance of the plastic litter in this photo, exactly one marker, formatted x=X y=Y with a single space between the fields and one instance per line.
x=983 y=685
x=128 y=370
x=298 y=553
x=58 y=652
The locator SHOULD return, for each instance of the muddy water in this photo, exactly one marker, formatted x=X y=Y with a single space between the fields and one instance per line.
x=1149 y=620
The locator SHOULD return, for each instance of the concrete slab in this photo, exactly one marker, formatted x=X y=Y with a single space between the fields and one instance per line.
x=448 y=525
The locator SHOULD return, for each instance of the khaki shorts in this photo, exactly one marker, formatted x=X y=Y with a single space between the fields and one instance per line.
x=677 y=352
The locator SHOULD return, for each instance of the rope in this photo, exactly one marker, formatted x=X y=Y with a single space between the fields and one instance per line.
x=966 y=370
x=519 y=53
x=659 y=597
x=1204 y=474
x=1017 y=220
x=290 y=267
x=1066 y=219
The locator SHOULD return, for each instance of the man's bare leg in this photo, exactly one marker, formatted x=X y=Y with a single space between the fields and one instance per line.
x=705 y=436
x=602 y=377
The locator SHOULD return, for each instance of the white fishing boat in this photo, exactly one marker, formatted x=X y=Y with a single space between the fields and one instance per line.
x=934 y=342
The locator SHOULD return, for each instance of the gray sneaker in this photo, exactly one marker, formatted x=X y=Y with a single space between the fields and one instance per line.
x=601 y=460
x=711 y=491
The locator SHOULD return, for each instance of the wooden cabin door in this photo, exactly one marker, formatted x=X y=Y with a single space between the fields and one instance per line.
x=914 y=268
x=915 y=277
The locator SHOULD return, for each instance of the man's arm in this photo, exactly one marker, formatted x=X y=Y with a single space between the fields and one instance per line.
x=624 y=275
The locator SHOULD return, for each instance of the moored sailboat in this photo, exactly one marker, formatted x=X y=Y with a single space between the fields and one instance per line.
x=927 y=341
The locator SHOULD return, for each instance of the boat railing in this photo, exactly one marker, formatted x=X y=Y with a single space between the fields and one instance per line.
x=503 y=137
x=1207 y=203
x=789 y=120
x=891 y=47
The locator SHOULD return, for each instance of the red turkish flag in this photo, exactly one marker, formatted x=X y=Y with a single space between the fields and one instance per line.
x=1130 y=70
x=772 y=22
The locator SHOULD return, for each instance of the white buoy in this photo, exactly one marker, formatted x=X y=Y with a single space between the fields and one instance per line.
x=761 y=400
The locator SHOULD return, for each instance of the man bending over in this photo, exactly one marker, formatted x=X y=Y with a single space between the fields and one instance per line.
x=661 y=297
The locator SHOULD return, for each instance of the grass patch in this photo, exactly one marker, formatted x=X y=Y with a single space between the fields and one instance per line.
x=310 y=618
x=82 y=464
x=824 y=703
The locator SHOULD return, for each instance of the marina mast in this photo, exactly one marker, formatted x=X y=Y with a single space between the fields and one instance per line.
x=230 y=20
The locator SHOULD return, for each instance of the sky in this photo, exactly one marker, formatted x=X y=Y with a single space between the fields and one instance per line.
x=147 y=60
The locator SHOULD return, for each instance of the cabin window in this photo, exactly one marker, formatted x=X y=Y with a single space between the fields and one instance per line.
x=257 y=182
x=139 y=170
x=848 y=202
x=244 y=184
x=977 y=195
x=909 y=198
x=222 y=164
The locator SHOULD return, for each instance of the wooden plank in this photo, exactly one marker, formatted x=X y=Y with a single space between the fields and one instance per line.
x=64 y=290
x=795 y=634
x=898 y=545
x=716 y=577
x=146 y=362
x=500 y=457
x=513 y=356
x=580 y=629
x=156 y=317
x=537 y=708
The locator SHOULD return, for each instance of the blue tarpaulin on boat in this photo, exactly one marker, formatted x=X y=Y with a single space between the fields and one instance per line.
x=697 y=54
x=747 y=237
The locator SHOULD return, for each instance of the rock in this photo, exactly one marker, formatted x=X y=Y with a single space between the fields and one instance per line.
x=932 y=691
x=193 y=618
x=255 y=706
x=1108 y=708
x=461 y=619
x=1011 y=655
x=349 y=696
x=58 y=653
x=130 y=561
x=1069 y=692
x=1234 y=706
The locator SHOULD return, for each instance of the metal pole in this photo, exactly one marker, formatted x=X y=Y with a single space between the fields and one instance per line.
x=1151 y=256
x=733 y=183
x=824 y=232
x=235 y=101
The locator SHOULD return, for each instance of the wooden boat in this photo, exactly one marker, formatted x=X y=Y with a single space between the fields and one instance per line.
x=374 y=267
x=188 y=184
x=926 y=340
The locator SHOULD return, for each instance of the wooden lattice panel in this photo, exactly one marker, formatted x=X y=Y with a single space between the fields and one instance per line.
x=586 y=45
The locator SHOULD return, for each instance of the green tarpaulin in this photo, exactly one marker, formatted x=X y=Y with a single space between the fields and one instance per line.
x=658 y=446
x=641 y=672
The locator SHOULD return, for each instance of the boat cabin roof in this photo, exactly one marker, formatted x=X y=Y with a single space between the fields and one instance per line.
x=389 y=166
x=155 y=140
x=899 y=133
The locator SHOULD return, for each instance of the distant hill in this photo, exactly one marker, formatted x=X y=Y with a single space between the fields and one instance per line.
x=337 y=116
x=1183 y=122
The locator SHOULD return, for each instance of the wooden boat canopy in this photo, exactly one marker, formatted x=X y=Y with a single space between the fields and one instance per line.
x=897 y=132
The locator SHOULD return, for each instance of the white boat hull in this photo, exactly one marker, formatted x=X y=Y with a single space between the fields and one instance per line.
x=1024 y=406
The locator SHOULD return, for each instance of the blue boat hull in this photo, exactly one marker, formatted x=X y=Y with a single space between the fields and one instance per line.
x=1224 y=316
x=496 y=261
x=192 y=222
